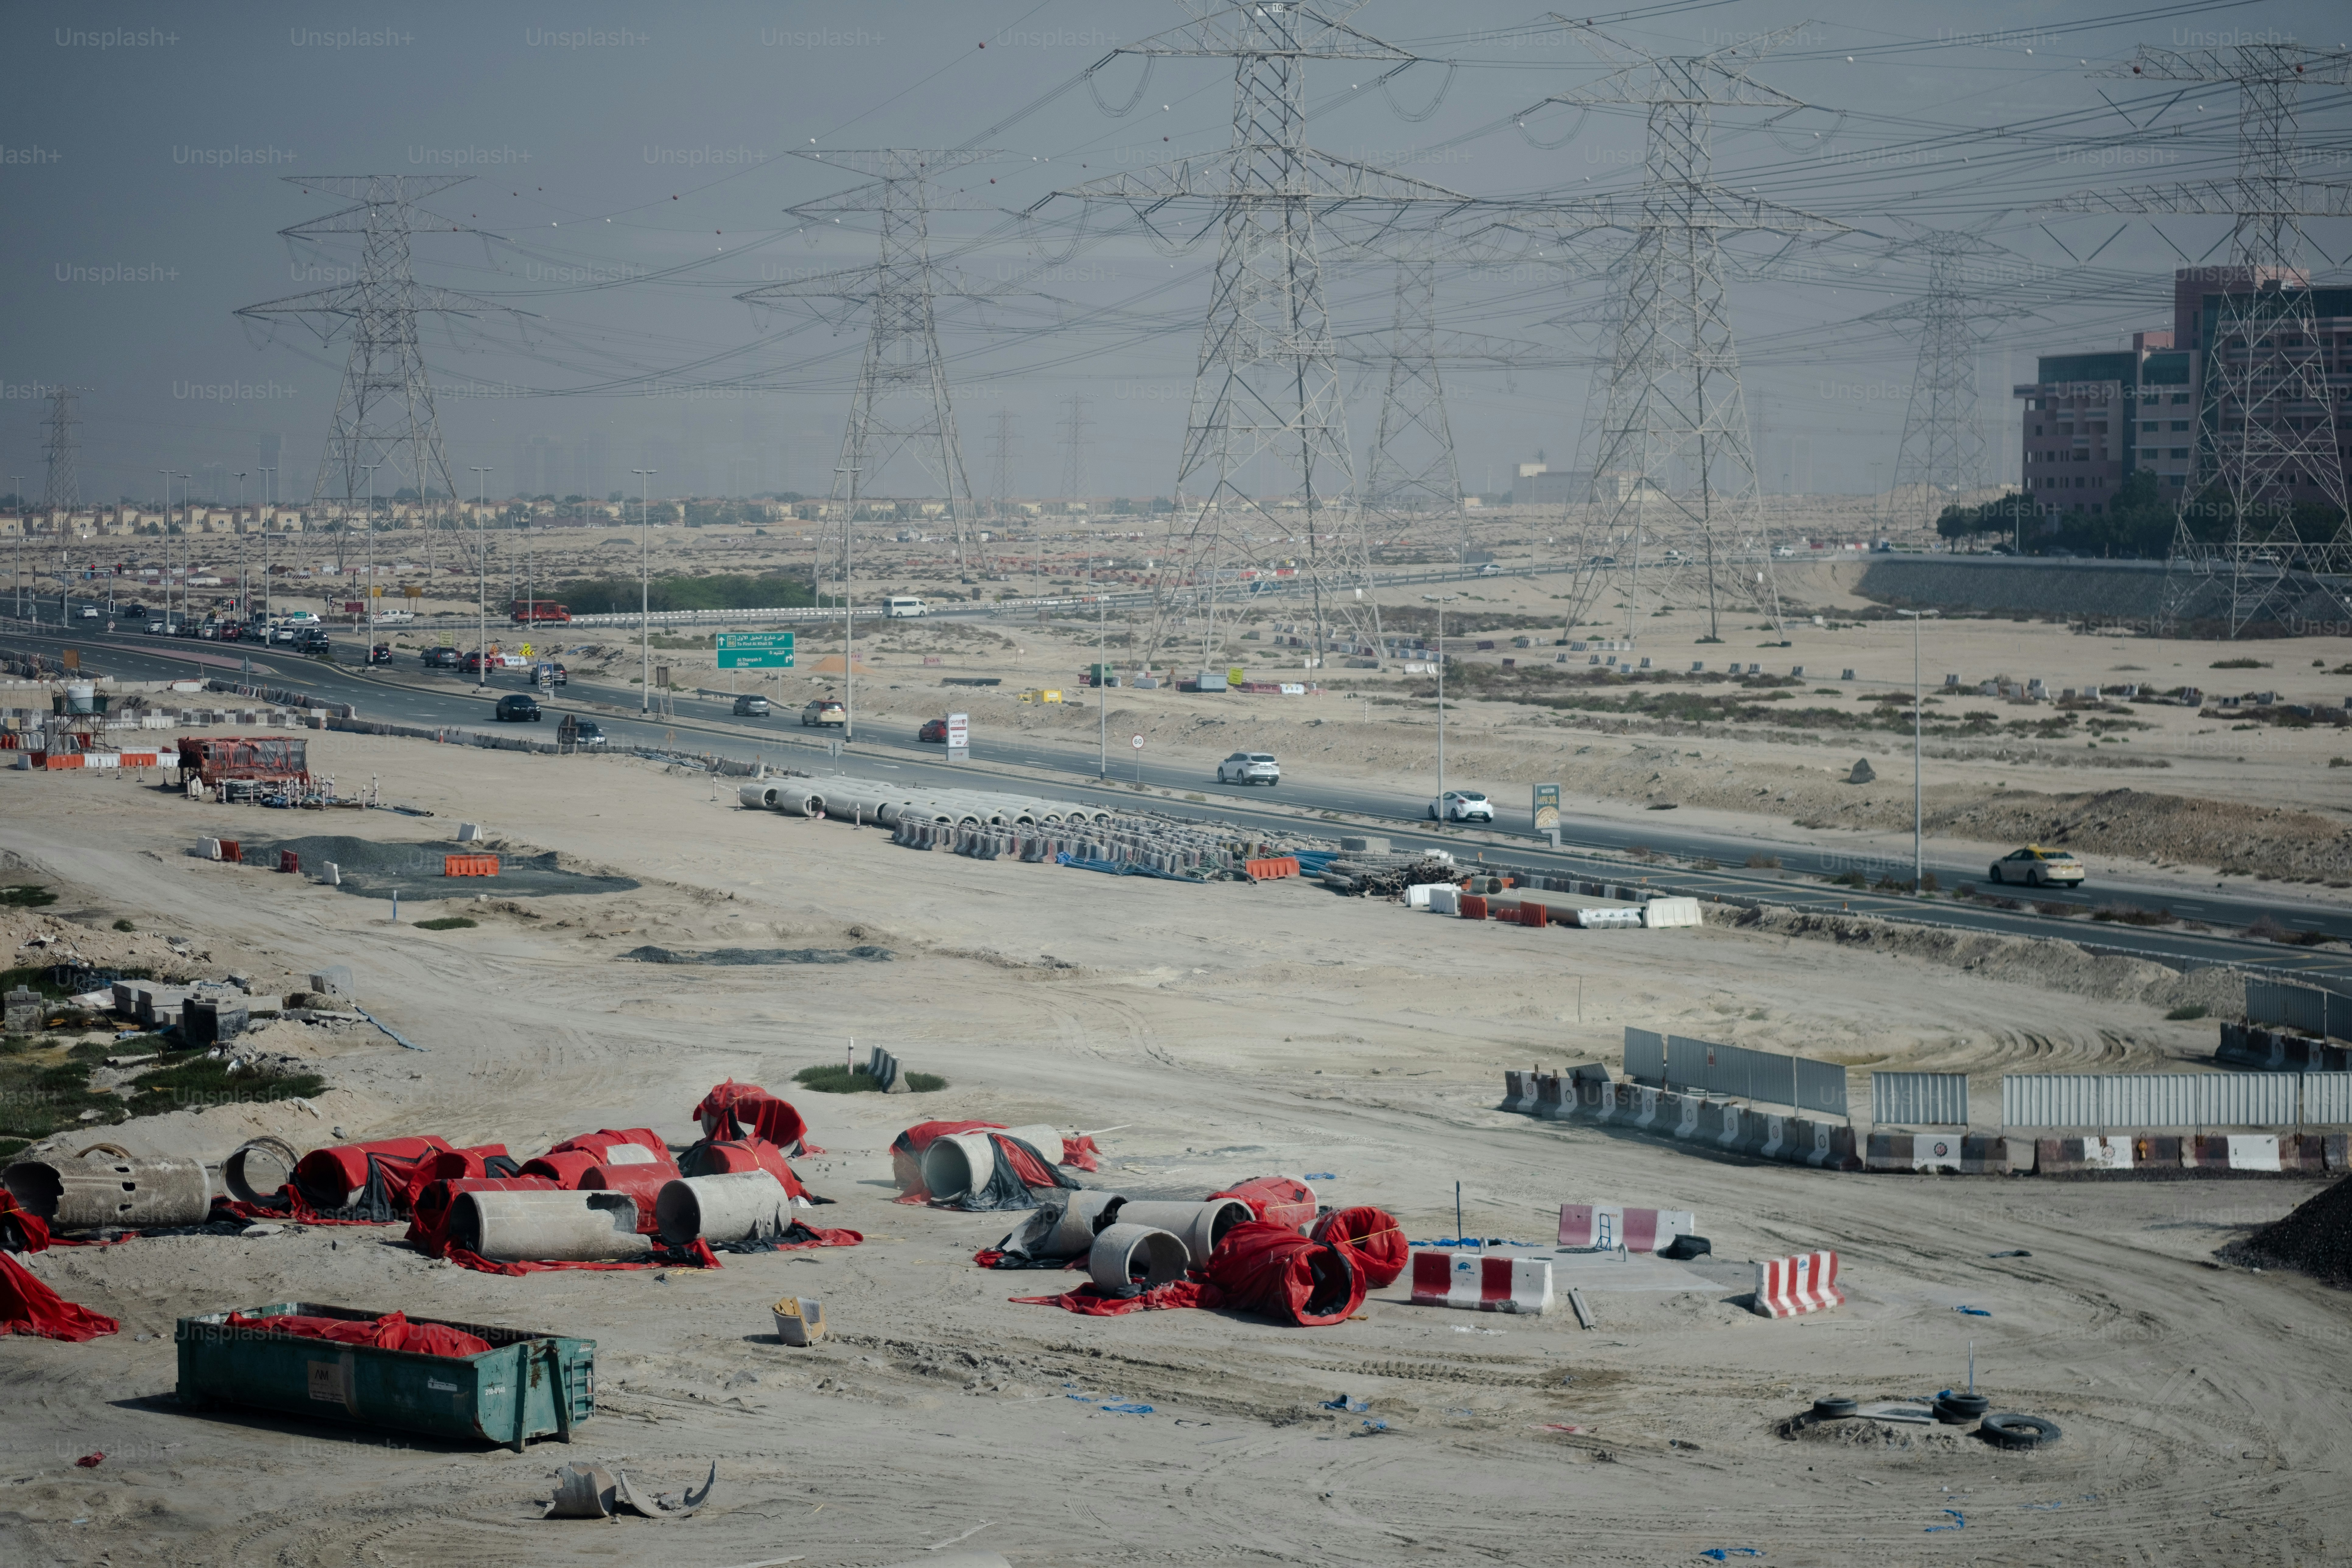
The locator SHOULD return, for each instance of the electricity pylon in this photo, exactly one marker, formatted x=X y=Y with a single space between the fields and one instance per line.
x=384 y=415
x=1073 y=450
x=61 y=493
x=902 y=405
x=1673 y=464
x=1001 y=490
x=1268 y=380
x=2266 y=421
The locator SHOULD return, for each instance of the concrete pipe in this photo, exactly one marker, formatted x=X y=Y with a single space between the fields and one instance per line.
x=258 y=1168
x=549 y=1227
x=1198 y=1225
x=795 y=800
x=955 y=1164
x=106 y=1186
x=1070 y=1230
x=757 y=796
x=1122 y=1253
x=745 y=1205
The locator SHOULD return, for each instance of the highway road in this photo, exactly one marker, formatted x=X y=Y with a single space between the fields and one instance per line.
x=1592 y=847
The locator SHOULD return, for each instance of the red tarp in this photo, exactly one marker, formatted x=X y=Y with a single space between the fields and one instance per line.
x=734 y=1156
x=732 y=1110
x=1282 y=1200
x=643 y=1182
x=29 y=1306
x=1080 y=1154
x=392 y=1332
x=1258 y=1268
x=907 y=1149
x=329 y=1179
x=1374 y=1240
x=601 y=1143
x=453 y=1165
x=566 y=1169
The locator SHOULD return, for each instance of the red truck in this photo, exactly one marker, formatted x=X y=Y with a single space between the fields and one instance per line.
x=538 y=612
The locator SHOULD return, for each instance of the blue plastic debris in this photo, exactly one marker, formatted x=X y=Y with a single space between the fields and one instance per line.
x=1958 y=1522
x=1124 y=1407
x=1973 y=1312
x=1353 y=1407
x=1725 y=1553
x=1320 y=1177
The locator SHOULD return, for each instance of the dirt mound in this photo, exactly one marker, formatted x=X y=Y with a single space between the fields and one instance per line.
x=2316 y=1238
x=2135 y=823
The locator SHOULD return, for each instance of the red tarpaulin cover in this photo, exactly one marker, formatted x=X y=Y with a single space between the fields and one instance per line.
x=329 y=1179
x=1272 y=1271
x=1080 y=1154
x=1375 y=1242
x=1282 y=1200
x=392 y=1332
x=428 y=1224
x=732 y=1110
x=601 y=1143
x=734 y=1156
x=453 y=1165
x=907 y=1149
x=29 y=1306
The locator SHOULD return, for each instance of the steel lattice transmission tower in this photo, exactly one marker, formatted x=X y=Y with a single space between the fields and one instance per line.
x=902 y=405
x=1268 y=379
x=1001 y=445
x=1673 y=463
x=2266 y=421
x=384 y=413
x=1073 y=450
x=1942 y=450
x=61 y=492
x=1412 y=472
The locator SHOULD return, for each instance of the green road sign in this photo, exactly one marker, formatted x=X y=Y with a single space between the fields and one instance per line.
x=755 y=650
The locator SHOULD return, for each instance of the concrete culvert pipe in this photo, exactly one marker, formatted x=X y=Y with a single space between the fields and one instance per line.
x=756 y=797
x=1125 y=1255
x=1198 y=1225
x=1084 y=1218
x=258 y=1168
x=744 y=1205
x=795 y=801
x=954 y=1164
x=107 y=1187
x=549 y=1227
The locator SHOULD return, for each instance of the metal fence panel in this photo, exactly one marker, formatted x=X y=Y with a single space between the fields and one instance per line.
x=2302 y=1008
x=1772 y=1077
x=2326 y=1098
x=2339 y=1016
x=1821 y=1086
x=1919 y=1099
x=2136 y=1100
x=1688 y=1064
x=1645 y=1055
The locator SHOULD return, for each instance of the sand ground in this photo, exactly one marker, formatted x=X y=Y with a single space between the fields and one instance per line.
x=1227 y=1031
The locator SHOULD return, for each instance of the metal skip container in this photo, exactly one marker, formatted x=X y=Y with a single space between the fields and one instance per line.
x=527 y=1384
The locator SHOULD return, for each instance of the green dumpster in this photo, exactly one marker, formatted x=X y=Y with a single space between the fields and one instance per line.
x=527 y=1384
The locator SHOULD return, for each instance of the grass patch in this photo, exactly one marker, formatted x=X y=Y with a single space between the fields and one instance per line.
x=26 y=896
x=446 y=922
x=124 y=925
x=59 y=980
x=2242 y=663
x=2188 y=1015
x=206 y=1081
x=851 y=1081
x=2056 y=911
x=38 y=1098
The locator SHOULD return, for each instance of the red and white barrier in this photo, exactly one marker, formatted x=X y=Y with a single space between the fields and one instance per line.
x=1612 y=1225
x=1482 y=1282
x=1791 y=1286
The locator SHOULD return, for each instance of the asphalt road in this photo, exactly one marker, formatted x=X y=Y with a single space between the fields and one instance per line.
x=1595 y=847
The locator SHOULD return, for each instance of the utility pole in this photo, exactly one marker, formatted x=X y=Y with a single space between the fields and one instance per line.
x=1441 y=604
x=1942 y=449
x=1919 y=730
x=24 y=528
x=482 y=579
x=370 y=663
x=644 y=592
x=244 y=560
x=2267 y=416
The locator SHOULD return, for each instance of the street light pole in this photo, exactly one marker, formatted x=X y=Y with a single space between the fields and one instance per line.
x=481 y=583
x=1918 y=727
x=243 y=558
x=368 y=664
x=1441 y=604
x=268 y=495
x=645 y=593
x=24 y=525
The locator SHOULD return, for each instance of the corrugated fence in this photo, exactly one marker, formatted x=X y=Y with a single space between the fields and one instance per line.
x=2135 y=1100
x=1919 y=1099
x=1676 y=1061
x=2304 y=1007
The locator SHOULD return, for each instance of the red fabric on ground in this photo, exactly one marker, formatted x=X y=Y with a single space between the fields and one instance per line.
x=564 y=1169
x=1272 y=1271
x=330 y=1178
x=1093 y=1303
x=732 y=1110
x=428 y=1222
x=600 y=1143
x=735 y=1156
x=907 y=1149
x=1374 y=1240
x=20 y=1231
x=1282 y=1200
x=1029 y=1166
x=1080 y=1154
x=643 y=1182
x=452 y=1165
x=392 y=1332
x=29 y=1306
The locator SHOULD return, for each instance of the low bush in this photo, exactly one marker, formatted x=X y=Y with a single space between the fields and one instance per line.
x=2131 y=915
x=446 y=922
x=2188 y=1015
x=831 y=1079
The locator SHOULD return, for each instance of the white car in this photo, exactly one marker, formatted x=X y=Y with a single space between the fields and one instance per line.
x=1462 y=806
x=299 y=618
x=1249 y=768
x=89 y=612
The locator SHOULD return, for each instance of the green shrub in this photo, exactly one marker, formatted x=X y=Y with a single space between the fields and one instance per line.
x=2186 y=1015
x=207 y=1081
x=124 y=925
x=831 y=1079
x=26 y=896
x=446 y=922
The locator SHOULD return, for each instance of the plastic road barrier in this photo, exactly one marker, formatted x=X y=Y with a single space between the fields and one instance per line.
x=1794 y=1287
x=1661 y=912
x=1481 y=1281
x=469 y=865
x=1636 y=1230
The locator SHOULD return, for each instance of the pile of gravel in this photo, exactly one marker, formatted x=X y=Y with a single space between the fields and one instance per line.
x=372 y=869
x=2316 y=1238
x=735 y=956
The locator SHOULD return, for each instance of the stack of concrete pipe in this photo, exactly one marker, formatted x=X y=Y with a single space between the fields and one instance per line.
x=887 y=804
x=598 y=1227
x=1125 y=1242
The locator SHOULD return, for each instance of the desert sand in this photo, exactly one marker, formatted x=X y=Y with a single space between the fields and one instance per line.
x=1226 y=1031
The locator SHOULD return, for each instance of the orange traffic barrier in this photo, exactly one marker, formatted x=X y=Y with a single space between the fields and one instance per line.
x=1267 y=869
x=231 y=853
x=470 y=866
x=289 y=862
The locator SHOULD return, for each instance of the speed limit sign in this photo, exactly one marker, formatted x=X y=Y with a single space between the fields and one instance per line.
x=1138 y=742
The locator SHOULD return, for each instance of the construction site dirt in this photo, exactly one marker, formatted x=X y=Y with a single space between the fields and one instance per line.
x=1222 y=1031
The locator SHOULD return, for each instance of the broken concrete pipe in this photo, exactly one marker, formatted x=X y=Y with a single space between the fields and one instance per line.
x=549 y=1227
x=747 y=1206
x=1126 y=1255
x=1065 y=1230
x=1198 y=1225
x=258 y=1168
x=114 y=1188
x=955 y=1164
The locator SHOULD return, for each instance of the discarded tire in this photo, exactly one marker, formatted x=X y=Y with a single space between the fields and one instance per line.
x=1835 y=1408
x=1688 y=1247
x=1959 y=1409
x=2018 y=1431
x=1125 y=1255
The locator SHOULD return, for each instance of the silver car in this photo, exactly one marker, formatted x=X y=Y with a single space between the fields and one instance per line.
x=1462 y=806
x=1249 y=768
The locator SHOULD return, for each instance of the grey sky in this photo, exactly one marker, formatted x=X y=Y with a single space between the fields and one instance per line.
x=631 y=178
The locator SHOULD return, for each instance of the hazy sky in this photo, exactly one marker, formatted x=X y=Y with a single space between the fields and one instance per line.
x=630 y=173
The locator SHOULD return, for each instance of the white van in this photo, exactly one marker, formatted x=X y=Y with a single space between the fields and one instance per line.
x=902 y=608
